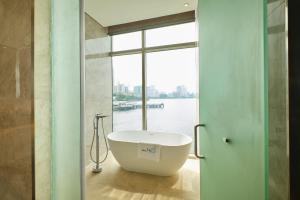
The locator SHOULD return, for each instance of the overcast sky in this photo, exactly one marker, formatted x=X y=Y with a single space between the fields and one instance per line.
x=165 y=70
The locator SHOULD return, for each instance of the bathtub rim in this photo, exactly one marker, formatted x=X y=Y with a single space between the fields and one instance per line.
x=189 y=139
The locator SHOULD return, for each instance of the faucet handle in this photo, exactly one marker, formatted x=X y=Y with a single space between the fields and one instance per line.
x=100 y=115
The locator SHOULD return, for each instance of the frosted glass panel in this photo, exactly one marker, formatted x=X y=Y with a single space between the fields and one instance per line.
x=66 y=163
x=233 y=99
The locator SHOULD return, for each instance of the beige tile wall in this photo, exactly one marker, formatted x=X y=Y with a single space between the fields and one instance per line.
x=42 y=89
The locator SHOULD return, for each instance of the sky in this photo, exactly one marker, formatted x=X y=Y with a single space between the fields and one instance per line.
x=165 y=70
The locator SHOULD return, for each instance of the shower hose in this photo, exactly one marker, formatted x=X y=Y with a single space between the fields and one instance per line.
x=96 y=123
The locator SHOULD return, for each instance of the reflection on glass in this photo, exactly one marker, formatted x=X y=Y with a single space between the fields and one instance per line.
x=127 y=41
x=171 y=35
x=171 y=81
x=127 y=92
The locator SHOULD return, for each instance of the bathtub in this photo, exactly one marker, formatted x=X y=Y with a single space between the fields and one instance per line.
x=173 y=151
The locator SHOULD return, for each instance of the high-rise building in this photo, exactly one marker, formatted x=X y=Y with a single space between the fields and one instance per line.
x=137 y=90
x=152 y=92
x=121 y=89
x=181 y=91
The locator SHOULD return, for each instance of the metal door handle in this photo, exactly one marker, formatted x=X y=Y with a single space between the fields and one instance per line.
x=196 y=139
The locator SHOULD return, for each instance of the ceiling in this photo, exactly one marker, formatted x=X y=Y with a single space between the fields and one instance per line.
x=113 y=12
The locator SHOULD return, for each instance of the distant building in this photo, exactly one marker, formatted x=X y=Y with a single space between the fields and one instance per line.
x=115 y=89
x=121 y=89
x=126 y=90
x=152 y=92
x=172 y=94
x=137 y=90
x=181 y=91
x=163 y=95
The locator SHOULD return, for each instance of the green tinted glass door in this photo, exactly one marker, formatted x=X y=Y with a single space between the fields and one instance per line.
x=232 y=99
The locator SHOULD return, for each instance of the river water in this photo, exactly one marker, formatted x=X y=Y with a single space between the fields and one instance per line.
x=177 y=116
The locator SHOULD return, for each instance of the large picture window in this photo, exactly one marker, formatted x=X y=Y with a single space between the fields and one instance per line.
x=155 y=80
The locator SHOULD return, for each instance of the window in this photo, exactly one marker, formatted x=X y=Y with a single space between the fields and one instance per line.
x=127 y=92
x=127 y=41
x=166 y=74
x=181 y=33
x=171 y=82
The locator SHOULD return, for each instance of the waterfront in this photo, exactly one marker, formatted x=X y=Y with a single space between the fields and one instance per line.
x=177 y=116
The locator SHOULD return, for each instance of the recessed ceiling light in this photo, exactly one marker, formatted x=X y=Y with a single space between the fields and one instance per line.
x=186 y=4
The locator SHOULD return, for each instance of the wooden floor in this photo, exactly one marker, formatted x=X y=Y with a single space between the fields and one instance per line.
x=115 y=183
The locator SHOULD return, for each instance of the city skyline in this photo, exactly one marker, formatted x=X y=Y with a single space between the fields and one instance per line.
x=165 y=70
x=152 y=92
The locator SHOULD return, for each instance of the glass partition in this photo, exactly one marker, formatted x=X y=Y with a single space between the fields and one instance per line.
x=233 y=99
x=66 y=101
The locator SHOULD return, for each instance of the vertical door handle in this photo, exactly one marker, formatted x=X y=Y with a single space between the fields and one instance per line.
x=196 y=140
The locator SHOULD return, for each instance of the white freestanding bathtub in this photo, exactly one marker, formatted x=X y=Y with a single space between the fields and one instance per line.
x=150 y=152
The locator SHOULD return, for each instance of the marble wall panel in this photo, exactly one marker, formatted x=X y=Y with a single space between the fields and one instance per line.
x=98 y=81
x=16 y=100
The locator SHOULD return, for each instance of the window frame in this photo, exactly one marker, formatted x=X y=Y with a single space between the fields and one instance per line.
x=144 y=50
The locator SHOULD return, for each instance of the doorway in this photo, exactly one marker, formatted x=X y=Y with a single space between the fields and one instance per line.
x=218 y=94
x=121 y=81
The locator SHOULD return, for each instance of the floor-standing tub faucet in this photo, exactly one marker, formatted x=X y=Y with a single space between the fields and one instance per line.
x=97 y=168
